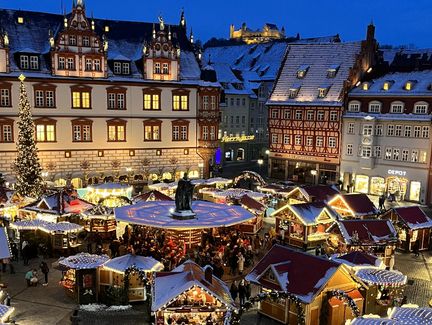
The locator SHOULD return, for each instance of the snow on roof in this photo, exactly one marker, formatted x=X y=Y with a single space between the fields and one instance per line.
x=237 y=193
x=359 y=204
x=169 y=285
x=121 y=263
x=109 y=186
x=251 y=203
x=50 y=227
x=382 y=277
x=126 y=40
x=318 y=57
x=392 y=55
x=388 y=116
x=5 y=312
x=414 y=217
x=158 y=214
x=422 y=86
x=408 y=315
x=309 y=213
x=367 y=231
x=359 y=259
x=316 y=192
x=364 y=320
x=151 y=196
x=307 y=274
x=5 y=251
x=83 y=261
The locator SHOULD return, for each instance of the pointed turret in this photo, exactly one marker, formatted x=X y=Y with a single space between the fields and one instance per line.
x=80 y=3
x=182 y=23
x=191 y=37
x=154 y=31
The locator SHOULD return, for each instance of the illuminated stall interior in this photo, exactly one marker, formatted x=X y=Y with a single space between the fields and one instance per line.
x=373 y=236
x=112 y=274
x=190 y=294
x=101 y=220
x=258 y=209
x=354 y=205
x=109 y=194
x=10 y=203
x=305 y=224
x=413 y=225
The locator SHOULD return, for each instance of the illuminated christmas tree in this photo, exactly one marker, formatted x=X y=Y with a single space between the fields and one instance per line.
x=28 y=168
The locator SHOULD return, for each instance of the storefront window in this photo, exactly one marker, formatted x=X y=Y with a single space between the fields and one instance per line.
x=397 y=186
x=362 y=183
x=415 y=191
x=377 y=185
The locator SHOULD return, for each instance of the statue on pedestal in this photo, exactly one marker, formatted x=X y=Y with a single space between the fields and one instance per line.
x=183 y=198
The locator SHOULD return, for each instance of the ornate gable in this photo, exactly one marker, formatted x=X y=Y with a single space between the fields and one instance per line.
x=161 y=56
x=78 y=51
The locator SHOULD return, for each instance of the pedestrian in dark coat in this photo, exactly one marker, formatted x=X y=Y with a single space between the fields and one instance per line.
x=45 y=270
x=248 y=290
x=242 y=292
x=234 y=290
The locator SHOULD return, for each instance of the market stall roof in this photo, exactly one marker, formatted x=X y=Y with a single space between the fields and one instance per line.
x=310 y=213
x=5 y=312
x=151 y=196
x=271 y=188
x=5 y=251
x=360 y=259
x=237 y=193
x=366 y=231
x=158 y=214
x=163 y=186
x=316 y=192
x=169 y=285
x=382 y=277
x=298 y=273
x=83 y=261
x=121 y=263
x=358 y=204
x=99 y=211
x=50 y=227
x=413 y=217
x=375 y=320
x=109 y=186
x=218 y=180
x=411 y=315
x=251 y=203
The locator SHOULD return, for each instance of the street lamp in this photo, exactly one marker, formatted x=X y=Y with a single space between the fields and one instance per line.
x=267 y=152
x=260 y=163
x=314 y=172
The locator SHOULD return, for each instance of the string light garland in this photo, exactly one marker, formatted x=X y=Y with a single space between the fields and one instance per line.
x=28 y=168
x=142 y=276
x=342 y=295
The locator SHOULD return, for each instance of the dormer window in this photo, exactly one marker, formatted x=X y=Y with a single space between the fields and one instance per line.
x=387 y=85
x=106 y=29
x=365 y=86
x=29 y=62
x=157 y=68
x=121 y=67
x=293 y=92
x=24 y=62
x=421 y=108
x=302 y=70
x=374 y=107
x=322 y=92
x=409 y=85
x=332 y=71
x=397 y=108
x=20 y=20
x=354 y=106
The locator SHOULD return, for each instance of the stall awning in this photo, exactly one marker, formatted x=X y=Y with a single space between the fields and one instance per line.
x=50 y=227
x=83 y=261
x=144 y=263
x=382 y=277
x=5 y=251
x=5 y=312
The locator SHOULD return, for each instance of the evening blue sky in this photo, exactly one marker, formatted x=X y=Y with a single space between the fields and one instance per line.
x=397 y=22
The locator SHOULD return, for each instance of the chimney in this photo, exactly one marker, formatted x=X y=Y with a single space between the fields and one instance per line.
x=208 y=273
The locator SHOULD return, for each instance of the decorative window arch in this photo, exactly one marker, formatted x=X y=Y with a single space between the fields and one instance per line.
x=375 y=106
x=421 y=108
x=354 y=106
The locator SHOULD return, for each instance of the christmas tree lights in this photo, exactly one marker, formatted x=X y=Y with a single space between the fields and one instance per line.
x=28 y=167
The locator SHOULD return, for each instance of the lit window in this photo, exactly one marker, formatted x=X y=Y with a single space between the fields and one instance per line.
x=365 y=86
x=322 y=92
x=180 y=102
x=80 y=99
x=414 y=155
x=152 y=131
x=387 y=85
x=45 y=132
x=302 y=70
x=409 y=85
x=20 y=20
x=116 y=131
x=423 y=156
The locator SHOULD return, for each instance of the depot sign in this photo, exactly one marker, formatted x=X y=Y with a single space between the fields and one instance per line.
x=396 y=172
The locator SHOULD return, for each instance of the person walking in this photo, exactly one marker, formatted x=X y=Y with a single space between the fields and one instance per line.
x=234 y=290
x=45 y=270
x=248 y=290
x=240 y=263
x=242 y=292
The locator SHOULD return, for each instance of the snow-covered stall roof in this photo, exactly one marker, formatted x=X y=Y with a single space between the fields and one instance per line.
x=310 y=213
x=358 y=204
x=5 y=251
x=413 y=217
x=238 y=193
x=306 y=274
x=151 y=196
x=359 y=259
x=168 y=286
x=46 y=226
x=364 y=320
x=158 y=214
x=145 y=263
x=319 y=57
x=83 y=261
x=411 y=315
x=315 y=192
x=163 y=186
x=251 y=203
x=382 y=277
x=5 y=312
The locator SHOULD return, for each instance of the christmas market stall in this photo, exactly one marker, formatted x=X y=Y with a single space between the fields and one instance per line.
x=190 y=294
x=407 y=314
x=54 y=207
x=311 y=193
x=228 y=195
x=151 y=196
x=385 y=289
x=187 y=231
x=258 y=209
x=100 y=219
x=354 y=206
x=359 y=260
x=60 y=237
x=413 y=225
x=10 y=203
x=136 y=270
x=374 y=236
x=304 y=225
x=80 y=276
x=109 y=194
x=165 y=188
x=5 y=249
x=299 y=288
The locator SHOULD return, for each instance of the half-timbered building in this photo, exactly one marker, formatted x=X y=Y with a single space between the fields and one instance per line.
x=306 y=104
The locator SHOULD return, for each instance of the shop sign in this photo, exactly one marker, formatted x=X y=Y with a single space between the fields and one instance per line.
x=238 y=139
x=396 y=172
